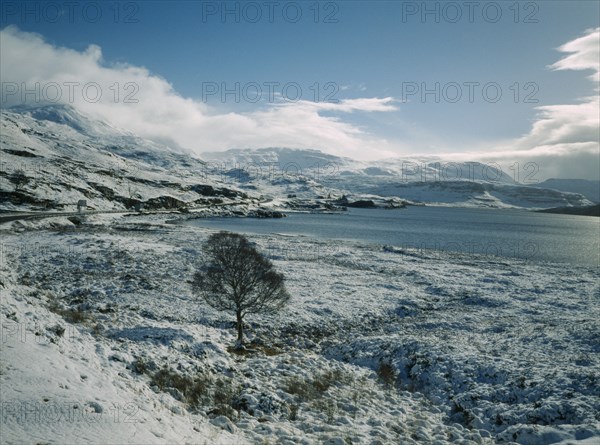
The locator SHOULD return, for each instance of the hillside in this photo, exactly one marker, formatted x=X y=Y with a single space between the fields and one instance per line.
x=588 y=188
x=53 y=156
x=279 y=172
x=585 y=211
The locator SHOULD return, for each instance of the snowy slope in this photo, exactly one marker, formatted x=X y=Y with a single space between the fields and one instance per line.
x=310 y=173
x=588 y=188
x=483 y=350
x=463 y=193
x=66 y=157
x=299 y=160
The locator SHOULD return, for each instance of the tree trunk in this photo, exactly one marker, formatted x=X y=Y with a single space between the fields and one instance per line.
x=240 y=328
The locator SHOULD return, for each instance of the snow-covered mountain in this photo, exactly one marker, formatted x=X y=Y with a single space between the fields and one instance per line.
x=296 y=159
x=53 y=156
x=285 y=171
x=588 y=188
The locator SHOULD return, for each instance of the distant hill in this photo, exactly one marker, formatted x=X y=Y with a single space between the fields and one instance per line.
x=584 y=211
x=588 y=188
x=288 y=159
x=286 y=171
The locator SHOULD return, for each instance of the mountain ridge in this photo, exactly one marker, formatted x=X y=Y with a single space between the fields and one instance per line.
x=67 y=156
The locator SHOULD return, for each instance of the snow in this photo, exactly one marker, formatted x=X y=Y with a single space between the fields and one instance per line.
x=589 y=188
x=306 y=173
x=67 y=156
x=485 y=350
x=66 y=389
x=103 y=340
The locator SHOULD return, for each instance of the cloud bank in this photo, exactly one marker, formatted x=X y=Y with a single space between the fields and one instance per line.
x=132 y=98
x=563 y=141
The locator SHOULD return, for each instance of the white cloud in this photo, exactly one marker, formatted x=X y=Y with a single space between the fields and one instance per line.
x=564 y=141
x=162 y=113
x=584 y=54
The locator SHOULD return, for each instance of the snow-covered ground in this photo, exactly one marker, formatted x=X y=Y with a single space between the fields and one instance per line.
x=104 y=342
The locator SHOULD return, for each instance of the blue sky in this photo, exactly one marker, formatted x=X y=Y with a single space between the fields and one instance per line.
x=365 y=50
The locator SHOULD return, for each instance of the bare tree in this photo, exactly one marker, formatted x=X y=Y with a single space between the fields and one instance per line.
x=239 y=278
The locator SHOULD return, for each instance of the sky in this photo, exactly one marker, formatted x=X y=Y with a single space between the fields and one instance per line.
x=507 y=82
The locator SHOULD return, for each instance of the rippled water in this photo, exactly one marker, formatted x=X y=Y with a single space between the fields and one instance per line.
x=508 y=233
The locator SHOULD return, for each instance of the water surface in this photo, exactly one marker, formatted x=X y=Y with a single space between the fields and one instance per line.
x=503 y=232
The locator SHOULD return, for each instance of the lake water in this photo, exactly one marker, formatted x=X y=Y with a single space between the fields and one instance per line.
x=506 y=233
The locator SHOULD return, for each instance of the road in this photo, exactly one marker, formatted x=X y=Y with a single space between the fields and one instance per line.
x=7 y=217
x=38 y=215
